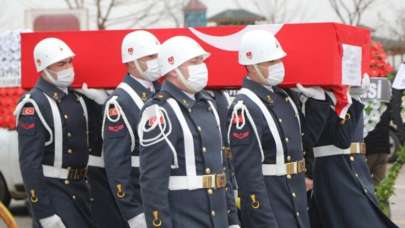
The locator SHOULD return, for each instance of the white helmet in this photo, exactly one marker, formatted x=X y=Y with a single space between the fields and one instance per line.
x=259 y=46
x=178 y=50
x=49 y=51
x=138 y=44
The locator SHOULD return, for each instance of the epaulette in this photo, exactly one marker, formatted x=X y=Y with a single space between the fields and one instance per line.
x=161 y=96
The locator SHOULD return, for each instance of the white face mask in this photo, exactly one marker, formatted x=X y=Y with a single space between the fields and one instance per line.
x=198 y=77
x=64 y=78
x=152 y=73
x=275 y=74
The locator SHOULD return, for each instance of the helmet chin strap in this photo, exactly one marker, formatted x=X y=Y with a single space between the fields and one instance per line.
x=138 y=67
x=183 y=80
x=260 y=74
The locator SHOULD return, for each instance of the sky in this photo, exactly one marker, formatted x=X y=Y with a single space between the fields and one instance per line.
x=12 y=15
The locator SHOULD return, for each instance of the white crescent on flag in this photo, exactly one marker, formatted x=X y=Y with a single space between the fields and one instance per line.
x=231 y=42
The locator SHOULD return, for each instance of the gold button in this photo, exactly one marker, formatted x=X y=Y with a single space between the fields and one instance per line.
x=65 y=116
x=286 y=99
x=199 y=129
x=288 y=158
x=74 y=197
x=90 y=150
x=280 y=120
x=213 y=213
x=189 y=110
x=69 y=134
x=210 y=191
x=294 y=195
x=70 y=151
x=286 y=139
x=302 y=133
x=351 y=158
x=209 y=108
x=288 y=176
x=207 y=170
x=298 y=214
x=365 y=191
x=67 y=182
x=356 y=174
x=204 y=149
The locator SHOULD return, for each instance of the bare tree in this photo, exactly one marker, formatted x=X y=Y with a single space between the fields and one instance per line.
x=139 y=13
x=276 y=11
x=174 y=11
x=351 y=11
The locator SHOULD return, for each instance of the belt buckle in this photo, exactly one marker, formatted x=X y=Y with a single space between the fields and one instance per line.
x=208 y=181
x=220 y=180
x=291 y=168
x=227 y=152
x=301 y=166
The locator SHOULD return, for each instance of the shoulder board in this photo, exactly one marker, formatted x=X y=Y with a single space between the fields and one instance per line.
x=161 y=96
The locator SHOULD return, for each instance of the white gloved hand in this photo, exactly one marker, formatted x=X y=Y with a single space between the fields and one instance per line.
x=138 y=221
x=53 y=221
x=357 y=91
x=315 y=92
x=97 y=95
x=234 y=226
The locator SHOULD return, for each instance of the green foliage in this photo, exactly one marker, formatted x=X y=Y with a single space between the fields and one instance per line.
x=385 y=189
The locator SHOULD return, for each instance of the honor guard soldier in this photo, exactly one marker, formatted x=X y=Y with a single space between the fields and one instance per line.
x=265 y=139
x=122 y=110
x=222 y=102
x=182 y=174
x=53 y=137
x=343 y=191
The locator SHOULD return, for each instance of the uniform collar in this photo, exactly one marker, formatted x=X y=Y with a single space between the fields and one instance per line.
x=50 y=89
x=263 y=92
x=137 y=86
x=181 y=97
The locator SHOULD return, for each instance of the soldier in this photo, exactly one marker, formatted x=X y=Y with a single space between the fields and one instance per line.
x=343 y=191
x=139 y=54
x=53 y=137
x=222 y=102
x=182 y=173
x=265 y=139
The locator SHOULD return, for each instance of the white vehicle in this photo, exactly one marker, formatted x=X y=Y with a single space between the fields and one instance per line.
x=11 y=184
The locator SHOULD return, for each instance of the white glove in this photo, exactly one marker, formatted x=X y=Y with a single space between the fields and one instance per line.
x=357 y=91
x=97 y=95
x=138 y=221
x=53 y=221
x=315 y=92
x=234 y=226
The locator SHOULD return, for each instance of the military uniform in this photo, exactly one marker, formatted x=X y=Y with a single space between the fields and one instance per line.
x=265 y=139
x=343 y=192
x=53 y=142
x=103 y=207
x=182 y=173
x=121 y=154
x=222 y=102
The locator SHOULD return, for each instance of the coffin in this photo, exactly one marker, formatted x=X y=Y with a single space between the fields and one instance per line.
x=326 y=54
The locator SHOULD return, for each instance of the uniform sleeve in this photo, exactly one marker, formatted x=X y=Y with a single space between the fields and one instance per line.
x=396 y=102
x=230 y=189
x=156 y=160
x=31 y=145
x=117 y=158
x=314 y=117
x=255 y=205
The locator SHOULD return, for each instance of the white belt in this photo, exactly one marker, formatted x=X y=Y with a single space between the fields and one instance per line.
x=53 y=172
x=96 y=161
x=135 y=161
x=197 y=182
x=331 y=150
x=283 y=169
